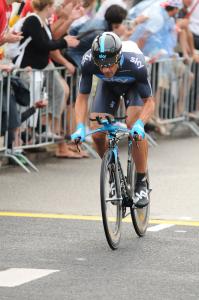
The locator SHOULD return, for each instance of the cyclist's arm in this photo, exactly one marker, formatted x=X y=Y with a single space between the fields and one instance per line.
x=145 y=91
x=148 y=109
x=85 y=85
x=81 y=108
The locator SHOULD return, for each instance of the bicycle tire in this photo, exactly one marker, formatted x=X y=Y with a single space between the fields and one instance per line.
x=139 y=216
x=111 y=210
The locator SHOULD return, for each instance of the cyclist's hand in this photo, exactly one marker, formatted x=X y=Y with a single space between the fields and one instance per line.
x=79 y=134
x=138 y=129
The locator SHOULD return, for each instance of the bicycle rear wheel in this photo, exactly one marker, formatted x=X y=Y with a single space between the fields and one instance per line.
x=111 y=203
x=140 y=216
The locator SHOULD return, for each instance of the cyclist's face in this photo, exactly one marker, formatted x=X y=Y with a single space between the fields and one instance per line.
x=109 y=71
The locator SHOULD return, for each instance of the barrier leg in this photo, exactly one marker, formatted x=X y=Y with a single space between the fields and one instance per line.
x=12 y=156
x=20 y=155
x=193 y=126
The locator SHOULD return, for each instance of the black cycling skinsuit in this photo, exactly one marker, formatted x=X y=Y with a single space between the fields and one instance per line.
x=130 y=81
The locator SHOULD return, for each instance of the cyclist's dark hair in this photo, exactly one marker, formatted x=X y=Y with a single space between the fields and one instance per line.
x=115 y=14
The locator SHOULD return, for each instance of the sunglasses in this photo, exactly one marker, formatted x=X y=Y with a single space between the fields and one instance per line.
x=108 y=65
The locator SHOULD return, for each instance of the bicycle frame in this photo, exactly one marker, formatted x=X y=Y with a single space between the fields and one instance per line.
x=112 y=133
x=114 y=205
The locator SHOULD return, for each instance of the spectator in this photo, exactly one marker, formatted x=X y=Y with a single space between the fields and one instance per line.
x=12 y=122
x=113 y=20
x=194 y=22
x=114 y=17
x=106 y=4
x=37 y=55
x=158 y=38
x=186 y=40
x=5 y=35
x=62 y=20
x=8 y=37
x=159 y=31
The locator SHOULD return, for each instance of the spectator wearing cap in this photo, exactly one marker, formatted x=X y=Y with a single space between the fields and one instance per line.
x=159 y=31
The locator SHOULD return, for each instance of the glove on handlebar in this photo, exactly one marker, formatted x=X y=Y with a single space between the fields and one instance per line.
x=138 y=129
x=80 y=133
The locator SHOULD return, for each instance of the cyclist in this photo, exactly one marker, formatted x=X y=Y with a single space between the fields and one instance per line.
x=121 y=69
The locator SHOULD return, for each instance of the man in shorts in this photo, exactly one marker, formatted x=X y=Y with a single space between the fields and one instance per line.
x=121 y=70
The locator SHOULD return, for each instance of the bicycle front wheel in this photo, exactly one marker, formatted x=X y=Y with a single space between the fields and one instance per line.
x=140 y=216
x=111 y=203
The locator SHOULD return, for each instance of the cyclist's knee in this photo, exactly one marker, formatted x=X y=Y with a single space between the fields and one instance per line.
x=98 y=137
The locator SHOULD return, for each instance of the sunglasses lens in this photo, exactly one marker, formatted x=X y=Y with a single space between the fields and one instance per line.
x=108 y=65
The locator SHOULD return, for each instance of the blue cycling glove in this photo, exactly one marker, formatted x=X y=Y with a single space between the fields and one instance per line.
x=138 y=129
x=80 y=133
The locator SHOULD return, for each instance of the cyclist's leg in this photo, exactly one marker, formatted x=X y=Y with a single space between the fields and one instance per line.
x=140 y=148
x=140 y=152
x=105 y=103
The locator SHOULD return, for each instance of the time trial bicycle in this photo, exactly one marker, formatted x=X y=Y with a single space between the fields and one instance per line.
x=117 y=187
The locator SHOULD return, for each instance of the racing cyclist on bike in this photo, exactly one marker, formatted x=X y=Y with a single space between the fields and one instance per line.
x=121 y=69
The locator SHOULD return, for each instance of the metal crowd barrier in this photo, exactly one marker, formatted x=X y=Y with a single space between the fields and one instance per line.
x=44 y=126
x=175 y=88
x=174 y=85
x=3 y=118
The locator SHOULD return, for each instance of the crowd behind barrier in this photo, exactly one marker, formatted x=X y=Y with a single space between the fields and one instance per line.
x=174 y=85
x=34 y=115
x=37 y=103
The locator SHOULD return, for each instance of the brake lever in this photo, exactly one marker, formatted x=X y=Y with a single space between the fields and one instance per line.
x=77 y=142
x=99 y=120
x=108 y=119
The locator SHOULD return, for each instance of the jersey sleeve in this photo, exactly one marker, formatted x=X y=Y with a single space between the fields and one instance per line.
x=86 y=77
x=143 y=83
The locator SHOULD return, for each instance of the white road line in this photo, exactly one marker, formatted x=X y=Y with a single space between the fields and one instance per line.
x=17 y=276
x=159 y=227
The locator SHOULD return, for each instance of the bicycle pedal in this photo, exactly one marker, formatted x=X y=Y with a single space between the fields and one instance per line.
x=114 y=200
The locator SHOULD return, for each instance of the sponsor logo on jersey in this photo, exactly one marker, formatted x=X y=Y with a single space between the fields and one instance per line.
x=137 y=62
x=124 y=79
x=141 y=195
x=102 y=56
x=86 y=57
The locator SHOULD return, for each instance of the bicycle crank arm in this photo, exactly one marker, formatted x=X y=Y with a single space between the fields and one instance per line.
x=114 y=200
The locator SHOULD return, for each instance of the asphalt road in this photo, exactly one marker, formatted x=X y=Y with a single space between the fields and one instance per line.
x=163 y=265
x=53 y=245
x=72 y=186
